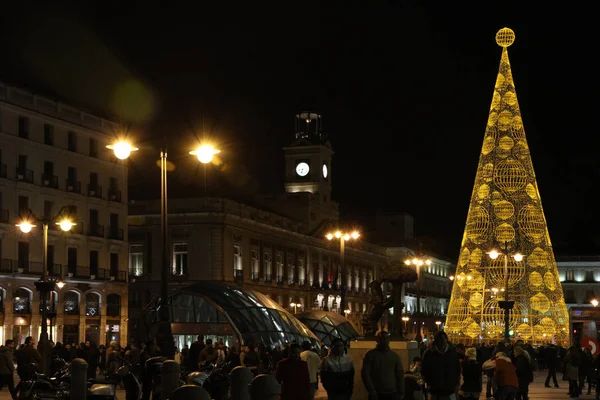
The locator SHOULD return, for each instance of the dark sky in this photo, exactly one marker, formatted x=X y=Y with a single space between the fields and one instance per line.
x=404 y=91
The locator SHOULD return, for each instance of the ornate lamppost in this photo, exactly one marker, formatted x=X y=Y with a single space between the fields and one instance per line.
x=343 y=237
x=418 y=262
x=45 y=285
x=205 y=154
x=506 y=304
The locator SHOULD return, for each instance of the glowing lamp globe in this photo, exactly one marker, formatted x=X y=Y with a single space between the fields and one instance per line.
x=25 y=227
x=122 y=150
x=205 y=153
x=65 y=225
x=505 y=37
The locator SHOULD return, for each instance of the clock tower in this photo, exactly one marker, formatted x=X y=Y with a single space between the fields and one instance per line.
x=308 y=170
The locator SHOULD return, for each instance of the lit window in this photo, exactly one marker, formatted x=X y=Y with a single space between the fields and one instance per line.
x=180 y=258
x=237 y=257
x=136 y=260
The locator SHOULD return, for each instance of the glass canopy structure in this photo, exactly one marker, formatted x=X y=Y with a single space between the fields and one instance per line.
x=328 y=325
x=222 y=309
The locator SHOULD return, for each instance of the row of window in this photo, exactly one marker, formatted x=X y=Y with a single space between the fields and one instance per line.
x=72 y=184
x=295 y=271
x=94 y=227
x=24 y=131
x=22 y=299
x=72 y=267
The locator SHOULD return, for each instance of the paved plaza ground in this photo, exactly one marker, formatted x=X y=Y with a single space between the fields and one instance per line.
x=537 y=391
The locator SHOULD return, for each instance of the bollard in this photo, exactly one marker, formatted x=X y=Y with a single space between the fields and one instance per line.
x=240 y=381
x=190 y=392
x=265 y=387
x=79 y=379
x=169 y=371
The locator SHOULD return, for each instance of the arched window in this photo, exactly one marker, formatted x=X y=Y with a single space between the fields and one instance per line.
x=113 y=305
x=92 y=305
x=71 y=303
x=21 y=301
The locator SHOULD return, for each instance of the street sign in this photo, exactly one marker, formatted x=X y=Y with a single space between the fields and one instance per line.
x=592 y=343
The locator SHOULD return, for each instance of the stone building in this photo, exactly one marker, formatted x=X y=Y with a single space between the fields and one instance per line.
x=54 y=164
x=580 y=279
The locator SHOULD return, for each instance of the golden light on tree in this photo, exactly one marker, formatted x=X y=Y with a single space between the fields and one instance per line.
x=506 y=214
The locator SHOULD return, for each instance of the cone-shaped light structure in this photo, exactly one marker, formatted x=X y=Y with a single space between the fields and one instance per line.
x=506 y=219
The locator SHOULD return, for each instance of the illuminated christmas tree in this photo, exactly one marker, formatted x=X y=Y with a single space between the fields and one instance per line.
x=506 y=231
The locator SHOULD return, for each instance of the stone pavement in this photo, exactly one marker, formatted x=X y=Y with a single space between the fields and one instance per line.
x=537 y=391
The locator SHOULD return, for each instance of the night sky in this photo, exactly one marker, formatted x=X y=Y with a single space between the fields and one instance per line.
x=404 y=92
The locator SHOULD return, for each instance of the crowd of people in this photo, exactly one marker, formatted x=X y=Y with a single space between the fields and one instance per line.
x=443 y=371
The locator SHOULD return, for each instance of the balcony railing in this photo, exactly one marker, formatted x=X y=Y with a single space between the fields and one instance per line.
x=238 y=274
x=49 y=180
x=24 y=175
x=255 y=276
x=82 y=272
x=96 y=230
x=268 y=278
x=291 y=282
x=94 y=191
x=121 y=276
x=100 y=274
x=114 y=195
x=73 y=186
x=3 y=215
x=3 y=172
x=115 y=233
x=280 y=279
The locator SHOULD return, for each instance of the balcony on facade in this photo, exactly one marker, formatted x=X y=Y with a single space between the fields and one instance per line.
x=49 y=180
x=114 y=195
x=24 y=175
x=73 y=186
x=94 y=191
x=96 y=230
x=60 y=271
x=115 y=233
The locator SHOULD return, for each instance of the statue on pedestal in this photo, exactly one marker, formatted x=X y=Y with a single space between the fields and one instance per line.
x=397 y=274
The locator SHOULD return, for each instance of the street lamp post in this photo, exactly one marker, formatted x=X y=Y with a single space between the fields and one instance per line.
x=506 y=304
x=343 y=237
x=45 y=286
x=205 y=154
x=405 y=319
x=295 y=305
x=438 y=323
x=418 y=262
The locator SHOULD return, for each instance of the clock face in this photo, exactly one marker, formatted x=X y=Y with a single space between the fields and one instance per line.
x=302 y=169
x=325 y=171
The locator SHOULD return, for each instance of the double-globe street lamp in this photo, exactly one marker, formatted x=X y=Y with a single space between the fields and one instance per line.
x=418 y=262
x=45 y=285
x=205 y=154
x=506 y=304
x=343 y=237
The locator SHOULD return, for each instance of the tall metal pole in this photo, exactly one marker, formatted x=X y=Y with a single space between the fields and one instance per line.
x=344 y=279
x=507 y=309
x=165 y=334
x=43 y=288
x=418 y=336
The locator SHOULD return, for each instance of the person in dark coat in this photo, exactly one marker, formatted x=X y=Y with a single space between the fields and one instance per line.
x=440 y=367
x=524 y=371
x=551 y=362
x=471 y=371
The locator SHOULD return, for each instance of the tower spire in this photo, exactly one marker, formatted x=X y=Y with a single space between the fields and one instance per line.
x=506 y=216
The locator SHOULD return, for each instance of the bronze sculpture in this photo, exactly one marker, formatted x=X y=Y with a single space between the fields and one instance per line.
x=397 y=274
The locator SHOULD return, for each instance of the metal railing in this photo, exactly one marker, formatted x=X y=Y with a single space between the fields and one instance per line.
x=24 y=175
x=49 y=180
x=238 y=274
x=114 y=195
x=94 y=191
x=73 y=186
x=115 y=233
x=96 y=230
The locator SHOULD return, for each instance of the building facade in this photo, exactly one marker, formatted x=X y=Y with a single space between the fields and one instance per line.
x=54 y=165
x=580 y=279
x=279 y=248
